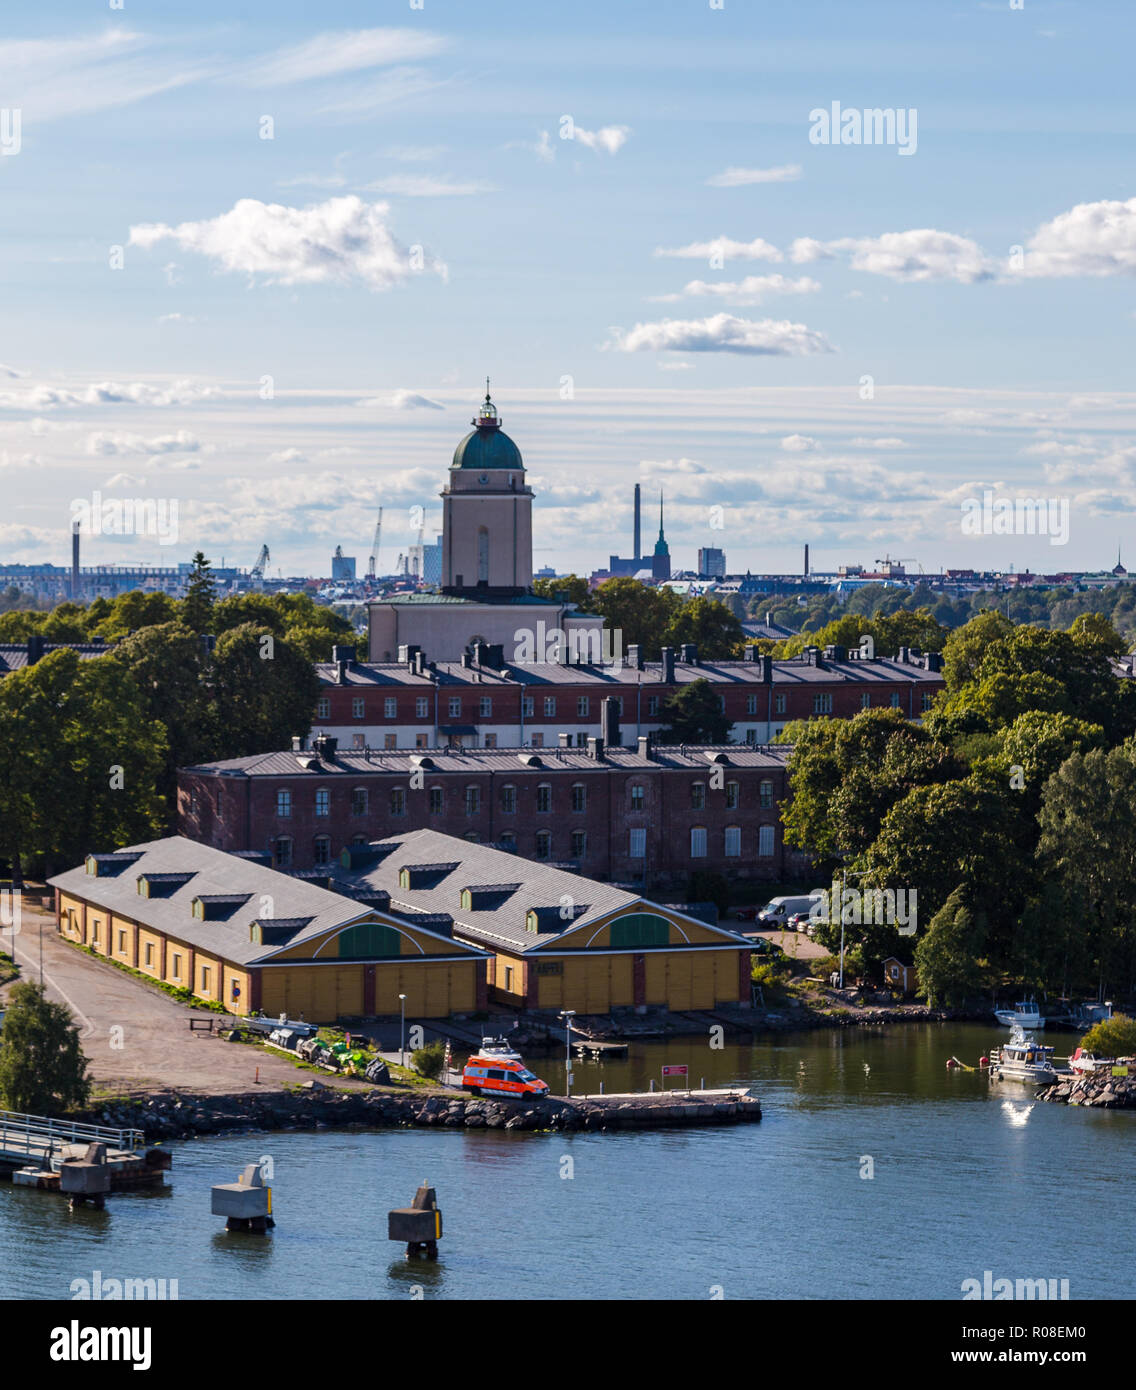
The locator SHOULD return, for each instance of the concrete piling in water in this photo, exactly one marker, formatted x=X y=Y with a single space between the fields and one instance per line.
x=420 y=1224
x=246 y=1204
x=86 y=1179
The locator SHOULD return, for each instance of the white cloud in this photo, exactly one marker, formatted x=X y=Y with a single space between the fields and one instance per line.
x=1090 y=239
x=920 y=254
x=11 y=372
x=47 y=79
x=287 y=456
x=753 y=289
x=609 y=138
x=798 y=444
x=426 y=186
x=337 y=241
x=125 y=480
x=328 y=55
x=120 y=442
x=724 y=249
x=176 y=318
x=734 y=177
x=722 y=333
x=108 y=393
x=406 y=400
x=887 y=443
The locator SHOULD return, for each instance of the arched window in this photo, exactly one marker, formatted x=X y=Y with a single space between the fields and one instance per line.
x=579 y=844
x=544 y=844
x=640 y=929
x=579 y=796
x=482 y=555
x=472 y=800
x=733 y=841
x=282 y=852
x=283 y=803
x=733 y=795
x=698 y=842
x=544 y=797
x=323 y=802
x=766 y=841
x=321 y=849
x=508 y=842
x=765 y=795
x=358 y=801
x=508 y=799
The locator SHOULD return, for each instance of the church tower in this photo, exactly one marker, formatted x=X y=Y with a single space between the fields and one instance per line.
x=486 y=514
x=661 y=560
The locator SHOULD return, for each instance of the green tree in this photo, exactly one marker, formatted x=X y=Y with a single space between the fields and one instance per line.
x=567 y=586
x=42 y=1067
x=172 y=672
x=132 y=611
x=637 y=611
x=201 y=593
x=1088 y=841
x=693 y=714
x=1112 y=1037
x=947 y=954
x=265 y=691
x=965 y=647
x=428 y=1060
x=710 y=625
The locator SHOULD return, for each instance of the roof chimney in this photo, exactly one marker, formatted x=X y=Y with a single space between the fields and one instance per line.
x=668 y=665
x=596 y=749
x=609 y=722
x=644 y=746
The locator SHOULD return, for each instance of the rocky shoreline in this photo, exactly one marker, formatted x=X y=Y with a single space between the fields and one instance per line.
x=178 y=1115
x=1104 y=1092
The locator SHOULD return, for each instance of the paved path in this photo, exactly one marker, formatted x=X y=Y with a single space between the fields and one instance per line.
x=795 y=944
x=154 y=1047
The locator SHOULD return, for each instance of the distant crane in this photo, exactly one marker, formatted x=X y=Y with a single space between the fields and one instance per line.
x=372 y=563
x=256 y=574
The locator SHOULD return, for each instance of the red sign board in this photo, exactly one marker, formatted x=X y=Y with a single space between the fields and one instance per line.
x=676 y=1071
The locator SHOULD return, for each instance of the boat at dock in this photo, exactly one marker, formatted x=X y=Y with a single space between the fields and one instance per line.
x=498 y=1049
x=1024 y=1014
x=1023 y=1059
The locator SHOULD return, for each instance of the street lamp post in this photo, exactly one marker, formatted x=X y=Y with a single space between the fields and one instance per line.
x=567 y=1015
x=402 y=1032
x=856 y=873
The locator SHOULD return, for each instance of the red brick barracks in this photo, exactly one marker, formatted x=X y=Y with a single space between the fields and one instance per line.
x=646 y=815
x=484 y=701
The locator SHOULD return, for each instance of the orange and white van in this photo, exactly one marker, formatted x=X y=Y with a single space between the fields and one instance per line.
x=500 y=1076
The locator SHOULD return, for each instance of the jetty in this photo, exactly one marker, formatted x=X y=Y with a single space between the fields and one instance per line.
x=37 y=1151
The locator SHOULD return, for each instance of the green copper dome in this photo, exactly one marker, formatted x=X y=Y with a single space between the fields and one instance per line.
x=487 y=446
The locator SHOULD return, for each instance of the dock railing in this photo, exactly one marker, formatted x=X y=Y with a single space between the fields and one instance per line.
x=39 y=1131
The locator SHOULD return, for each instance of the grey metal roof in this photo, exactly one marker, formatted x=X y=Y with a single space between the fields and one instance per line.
x=355 y=763
x=562 y=900
x=790 y=671
x=299 y=910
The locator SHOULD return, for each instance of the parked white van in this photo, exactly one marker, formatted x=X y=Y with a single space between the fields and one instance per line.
x=777 y=911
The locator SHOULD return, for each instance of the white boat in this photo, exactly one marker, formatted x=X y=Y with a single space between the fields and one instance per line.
x=1023 y=1059
x=499 y=1048
x=1024 y=1014
x=1085 y=1063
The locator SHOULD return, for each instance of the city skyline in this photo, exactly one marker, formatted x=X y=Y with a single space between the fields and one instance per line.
x=806 y=342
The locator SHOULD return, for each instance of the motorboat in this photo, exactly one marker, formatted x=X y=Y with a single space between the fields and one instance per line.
x=499 y=1049
x=1024 y=1014
x=1023 y=1059
x=1085 y=1063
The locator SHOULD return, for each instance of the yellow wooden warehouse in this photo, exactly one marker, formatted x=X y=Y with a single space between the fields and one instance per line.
x=559 y=941
x=228 y=928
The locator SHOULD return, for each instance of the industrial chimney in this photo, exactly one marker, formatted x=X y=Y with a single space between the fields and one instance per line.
x=806 y=560
x=75 y=560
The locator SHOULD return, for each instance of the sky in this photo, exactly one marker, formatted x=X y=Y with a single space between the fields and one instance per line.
x=256 y=260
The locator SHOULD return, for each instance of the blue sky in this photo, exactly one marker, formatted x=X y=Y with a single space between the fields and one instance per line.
x=732 y=383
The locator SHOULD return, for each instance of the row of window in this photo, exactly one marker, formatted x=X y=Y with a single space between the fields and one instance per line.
x=822 y=704
x=507 y=801
x=455 y=706
x=204 y=972
x=578 y=842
